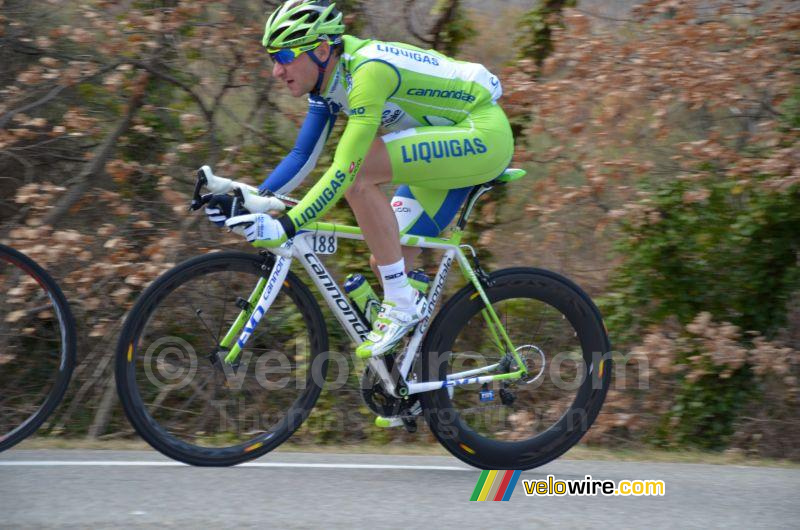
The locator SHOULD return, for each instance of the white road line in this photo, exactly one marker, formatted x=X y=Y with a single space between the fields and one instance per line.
x=123 y=463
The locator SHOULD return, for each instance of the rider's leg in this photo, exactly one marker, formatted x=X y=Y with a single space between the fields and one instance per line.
x=436 y=158
x=409 y=255
x=435 y=162
x=423 y=212
x=403 y=306
x=379 y=226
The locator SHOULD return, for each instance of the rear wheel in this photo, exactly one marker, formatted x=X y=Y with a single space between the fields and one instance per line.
x=173 y=384
x=560 y=336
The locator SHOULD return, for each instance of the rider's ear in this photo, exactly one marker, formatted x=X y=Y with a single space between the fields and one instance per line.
x=325 y=51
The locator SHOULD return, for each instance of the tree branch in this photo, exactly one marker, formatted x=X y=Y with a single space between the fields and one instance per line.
x=208 y=113
x=21 y=161
x=101 y=154
x=52 y=94
x=167 y=77
x=602 y=17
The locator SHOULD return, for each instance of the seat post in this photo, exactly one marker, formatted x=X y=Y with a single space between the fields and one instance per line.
x=509 y=175
x=472 y=198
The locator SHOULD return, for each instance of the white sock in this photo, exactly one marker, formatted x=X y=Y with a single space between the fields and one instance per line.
x=395 y=284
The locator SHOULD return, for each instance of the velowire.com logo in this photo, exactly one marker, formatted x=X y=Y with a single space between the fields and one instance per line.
x=495 y=485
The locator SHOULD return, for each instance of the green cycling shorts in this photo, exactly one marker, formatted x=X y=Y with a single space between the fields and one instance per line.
x=438 y=165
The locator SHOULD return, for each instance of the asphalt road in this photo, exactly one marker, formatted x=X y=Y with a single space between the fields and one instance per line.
x=104 y=489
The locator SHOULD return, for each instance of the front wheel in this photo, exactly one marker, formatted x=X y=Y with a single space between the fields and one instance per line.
x=174 y=385
x=560 y=336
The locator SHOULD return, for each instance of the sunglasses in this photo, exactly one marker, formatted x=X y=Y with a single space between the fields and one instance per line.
x=287 y=55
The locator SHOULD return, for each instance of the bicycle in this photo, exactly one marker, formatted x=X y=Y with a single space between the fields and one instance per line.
x=37 y=346
x=495 y=337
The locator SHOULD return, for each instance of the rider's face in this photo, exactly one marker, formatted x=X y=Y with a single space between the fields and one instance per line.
x=300 y=75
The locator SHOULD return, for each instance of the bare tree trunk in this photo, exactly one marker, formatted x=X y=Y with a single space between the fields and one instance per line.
x=447 y=16
x=78 y=401
x=407 y=10
x=103 y=415
x=433 y=36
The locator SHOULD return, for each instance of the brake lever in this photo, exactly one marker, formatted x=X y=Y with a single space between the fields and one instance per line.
x=238 y=202
x=197 y=199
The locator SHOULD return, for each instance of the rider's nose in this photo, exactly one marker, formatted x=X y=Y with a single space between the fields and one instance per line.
x=278 y=70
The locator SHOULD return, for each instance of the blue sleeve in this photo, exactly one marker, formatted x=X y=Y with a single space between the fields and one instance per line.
x=296 y=166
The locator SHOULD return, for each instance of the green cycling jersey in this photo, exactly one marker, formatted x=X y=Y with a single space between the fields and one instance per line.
x=442 y=113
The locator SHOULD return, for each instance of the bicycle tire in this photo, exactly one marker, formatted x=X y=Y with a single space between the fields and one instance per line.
x=558 y=294
x=128 y=351
x=66 y=353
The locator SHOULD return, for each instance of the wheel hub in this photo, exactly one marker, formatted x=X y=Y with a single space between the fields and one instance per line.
x=530 y=353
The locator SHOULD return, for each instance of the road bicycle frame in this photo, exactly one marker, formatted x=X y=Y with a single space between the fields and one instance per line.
x=397 y=383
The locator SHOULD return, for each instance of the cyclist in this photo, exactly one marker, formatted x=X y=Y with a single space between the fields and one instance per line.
x=447 y=134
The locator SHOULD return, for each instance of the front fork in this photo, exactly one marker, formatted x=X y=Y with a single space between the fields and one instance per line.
x=256 y=306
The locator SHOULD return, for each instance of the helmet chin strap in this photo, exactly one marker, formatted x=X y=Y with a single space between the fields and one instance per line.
x=321 y=66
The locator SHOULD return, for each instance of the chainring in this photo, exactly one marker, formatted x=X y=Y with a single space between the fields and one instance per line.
x=375 y=396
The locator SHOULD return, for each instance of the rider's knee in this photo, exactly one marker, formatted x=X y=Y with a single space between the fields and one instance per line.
x=356 y=189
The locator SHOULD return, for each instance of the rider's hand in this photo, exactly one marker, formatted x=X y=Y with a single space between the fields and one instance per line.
x=258 y=227
x=218 y=208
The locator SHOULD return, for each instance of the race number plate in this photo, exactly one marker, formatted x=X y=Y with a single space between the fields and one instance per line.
x=324 y=244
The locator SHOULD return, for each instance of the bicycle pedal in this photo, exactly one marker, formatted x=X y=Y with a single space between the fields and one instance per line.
x=386 y=423
x=410 y=424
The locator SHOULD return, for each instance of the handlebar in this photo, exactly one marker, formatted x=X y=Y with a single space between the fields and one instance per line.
x=247 y=194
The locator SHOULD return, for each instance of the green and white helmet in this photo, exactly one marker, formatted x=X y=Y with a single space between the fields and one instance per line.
x=298 y=22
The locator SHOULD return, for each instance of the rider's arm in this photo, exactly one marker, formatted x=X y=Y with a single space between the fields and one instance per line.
x=373 y=83
x=296 y=166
